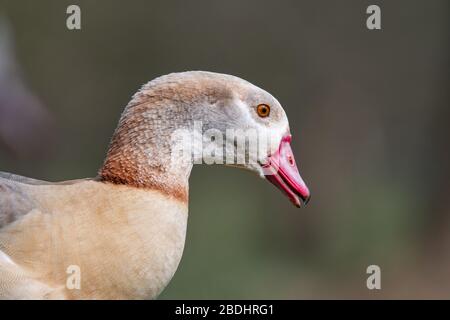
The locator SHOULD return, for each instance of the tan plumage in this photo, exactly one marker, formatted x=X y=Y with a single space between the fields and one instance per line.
x=124 y=229
x=126 y=241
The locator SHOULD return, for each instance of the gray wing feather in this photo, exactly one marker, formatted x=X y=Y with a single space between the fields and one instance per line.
x=21 y=179
x=14 y=199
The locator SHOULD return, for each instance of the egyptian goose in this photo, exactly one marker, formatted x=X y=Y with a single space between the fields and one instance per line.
x=122 y=233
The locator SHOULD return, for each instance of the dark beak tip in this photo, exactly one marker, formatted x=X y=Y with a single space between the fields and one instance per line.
x=306 y=200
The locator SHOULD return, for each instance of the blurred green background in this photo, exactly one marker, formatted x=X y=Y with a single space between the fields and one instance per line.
x=369 y=113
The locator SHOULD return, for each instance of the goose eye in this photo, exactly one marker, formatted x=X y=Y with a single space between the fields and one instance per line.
x=263 y=110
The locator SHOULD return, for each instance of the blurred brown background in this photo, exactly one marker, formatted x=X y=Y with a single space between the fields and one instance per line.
x=369 y=112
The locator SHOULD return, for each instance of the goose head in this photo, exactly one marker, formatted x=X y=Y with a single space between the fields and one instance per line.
x=199 y=117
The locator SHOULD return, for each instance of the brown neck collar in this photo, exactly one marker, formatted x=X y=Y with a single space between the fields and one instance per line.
x=139 y=153
x=125 y=172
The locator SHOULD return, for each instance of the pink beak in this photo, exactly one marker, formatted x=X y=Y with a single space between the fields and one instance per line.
x=281 y=170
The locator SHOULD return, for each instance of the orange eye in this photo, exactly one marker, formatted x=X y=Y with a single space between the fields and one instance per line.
x=263 y=110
